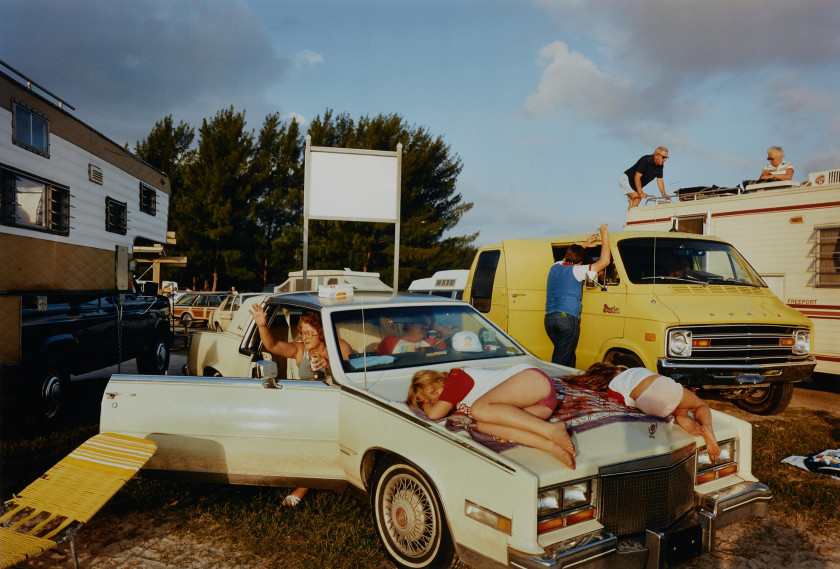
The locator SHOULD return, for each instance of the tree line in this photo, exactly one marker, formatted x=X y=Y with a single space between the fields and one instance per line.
x=236 y=200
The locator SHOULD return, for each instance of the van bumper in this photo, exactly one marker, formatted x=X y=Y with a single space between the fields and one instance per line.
x=690 y=537
x=727 y=376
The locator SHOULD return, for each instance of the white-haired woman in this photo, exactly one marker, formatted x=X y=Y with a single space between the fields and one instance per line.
x=777 y=169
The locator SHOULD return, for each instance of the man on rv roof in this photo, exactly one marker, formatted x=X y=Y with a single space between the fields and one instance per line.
x=639 y=174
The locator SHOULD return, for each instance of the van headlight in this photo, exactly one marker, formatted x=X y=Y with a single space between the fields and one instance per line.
x=565 y=505
x=802 y=342
x=679 y=343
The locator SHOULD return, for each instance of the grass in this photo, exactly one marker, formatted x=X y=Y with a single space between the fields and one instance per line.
x=332 y=529
x=801 y=495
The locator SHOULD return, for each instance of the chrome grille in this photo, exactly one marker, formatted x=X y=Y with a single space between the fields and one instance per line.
x=741 y=344
x=646 y=498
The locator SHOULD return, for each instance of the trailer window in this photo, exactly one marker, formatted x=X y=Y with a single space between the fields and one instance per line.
x=148 y=199
x=34 y=204
x=116 y=216
x=30 y=129
x=828 y=257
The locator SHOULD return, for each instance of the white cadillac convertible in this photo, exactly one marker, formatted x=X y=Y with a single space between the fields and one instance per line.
x=644 y=493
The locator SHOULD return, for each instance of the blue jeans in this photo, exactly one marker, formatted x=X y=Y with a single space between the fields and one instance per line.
x=563 y=331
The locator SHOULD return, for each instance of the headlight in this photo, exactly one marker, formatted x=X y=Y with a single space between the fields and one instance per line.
x=802 y=345
x=679 y=343
x=726 y=464
x=564 y=505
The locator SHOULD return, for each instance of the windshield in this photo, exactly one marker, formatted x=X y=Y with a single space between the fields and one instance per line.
x=655 y=259
x=408 y=336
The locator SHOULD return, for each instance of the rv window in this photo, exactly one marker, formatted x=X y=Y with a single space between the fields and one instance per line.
x=148 y=199
x=116 y=216
x=482 y=285
x=693 y=224
x=828 y=256
x=34 y=204
x=30 y=129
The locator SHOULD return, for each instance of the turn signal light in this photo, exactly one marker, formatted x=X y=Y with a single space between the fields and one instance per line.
x=566 y=520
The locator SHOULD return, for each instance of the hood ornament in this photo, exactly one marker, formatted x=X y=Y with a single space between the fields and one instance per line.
x=652 y=429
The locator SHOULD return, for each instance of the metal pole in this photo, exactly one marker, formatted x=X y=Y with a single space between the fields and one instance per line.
x=397 y=218
x=306 y=175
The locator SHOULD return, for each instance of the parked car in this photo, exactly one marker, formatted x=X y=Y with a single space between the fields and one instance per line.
x=221 y=317
x=644 y=492
x=196 y=307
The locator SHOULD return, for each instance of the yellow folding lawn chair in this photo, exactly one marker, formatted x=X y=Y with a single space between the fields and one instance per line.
x=53 y=508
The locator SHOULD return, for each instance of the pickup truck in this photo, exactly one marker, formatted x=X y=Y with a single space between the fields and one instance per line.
x=64 y=333
x=644 y=492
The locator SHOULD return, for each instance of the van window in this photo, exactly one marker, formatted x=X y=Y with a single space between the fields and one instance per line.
x=590 y=255
x=485 y=274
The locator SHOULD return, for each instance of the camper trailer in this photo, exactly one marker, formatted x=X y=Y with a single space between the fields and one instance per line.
x=73 y=206
x=789 y=232
x=449 y=284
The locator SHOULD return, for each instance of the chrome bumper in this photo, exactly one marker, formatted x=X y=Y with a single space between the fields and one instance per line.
x=721 y=376
x=693 y=535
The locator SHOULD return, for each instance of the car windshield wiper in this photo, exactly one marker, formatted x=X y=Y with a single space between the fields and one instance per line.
x=684 y=279
x=730 y=280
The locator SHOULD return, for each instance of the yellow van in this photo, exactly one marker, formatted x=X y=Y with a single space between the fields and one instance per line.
x=687 y=306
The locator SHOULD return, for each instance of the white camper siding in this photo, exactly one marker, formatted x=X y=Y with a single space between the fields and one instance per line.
x=68 y=166
x=775 y=230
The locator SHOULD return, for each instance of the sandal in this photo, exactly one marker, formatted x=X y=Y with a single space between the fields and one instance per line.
x=295 y=497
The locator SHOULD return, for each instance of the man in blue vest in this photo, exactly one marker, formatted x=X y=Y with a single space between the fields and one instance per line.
x=563 y=295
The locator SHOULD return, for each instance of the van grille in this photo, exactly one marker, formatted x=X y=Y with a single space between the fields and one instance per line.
x=641 y=499
x=741 y=344
x=708 y=290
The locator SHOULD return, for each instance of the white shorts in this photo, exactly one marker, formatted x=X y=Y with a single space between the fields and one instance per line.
x=624 y=184
x=660 y=398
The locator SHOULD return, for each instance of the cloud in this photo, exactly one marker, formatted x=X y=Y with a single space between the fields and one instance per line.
x=791 y=95
x=135 y=63
x=573 y=83
x=307 y=57
x=682 y=40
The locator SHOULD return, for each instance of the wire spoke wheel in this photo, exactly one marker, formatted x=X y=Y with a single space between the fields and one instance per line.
x=409 y=520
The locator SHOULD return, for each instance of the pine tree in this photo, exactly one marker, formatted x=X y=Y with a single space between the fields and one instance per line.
x=213 y=206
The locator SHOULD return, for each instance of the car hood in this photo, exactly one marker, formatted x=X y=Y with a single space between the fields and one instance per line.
x=615 y=443
x=727 y=304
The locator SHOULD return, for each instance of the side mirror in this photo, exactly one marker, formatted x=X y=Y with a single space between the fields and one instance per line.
x=267 y=370
x=591 y=281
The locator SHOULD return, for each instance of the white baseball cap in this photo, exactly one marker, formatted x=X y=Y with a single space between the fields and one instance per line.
x=466 y=342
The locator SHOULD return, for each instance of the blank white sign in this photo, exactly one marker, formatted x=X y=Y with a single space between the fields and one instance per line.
x=353 y=186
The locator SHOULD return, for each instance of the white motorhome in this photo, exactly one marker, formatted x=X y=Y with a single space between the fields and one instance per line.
x=449 y=284
x=789 y=232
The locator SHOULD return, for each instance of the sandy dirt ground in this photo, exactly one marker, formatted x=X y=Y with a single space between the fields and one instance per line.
x=143 y=541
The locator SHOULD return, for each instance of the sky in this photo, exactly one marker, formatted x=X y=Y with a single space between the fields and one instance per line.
x=546 y=102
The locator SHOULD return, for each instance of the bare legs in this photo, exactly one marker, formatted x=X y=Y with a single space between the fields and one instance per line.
x=510 y=411
x=699 y=426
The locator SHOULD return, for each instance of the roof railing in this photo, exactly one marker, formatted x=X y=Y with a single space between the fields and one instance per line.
x=30 y=83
